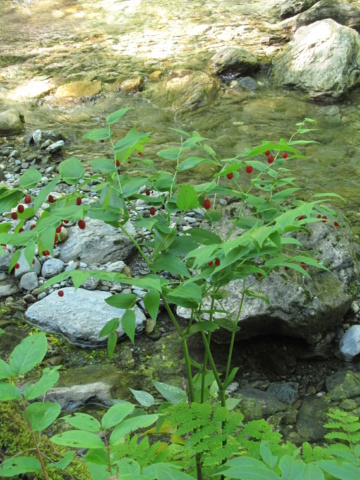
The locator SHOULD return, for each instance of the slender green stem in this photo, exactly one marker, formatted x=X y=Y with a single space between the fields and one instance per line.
x=233 y=333
x=212 y=363
x=34 y=440
x=135 y=243
x=205 y=362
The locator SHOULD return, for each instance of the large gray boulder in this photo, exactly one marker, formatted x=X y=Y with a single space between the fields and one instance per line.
x=342 y=12
x=78 y=315
x=235 y=61
x=323 y=59
x=299 y=307
x=11 y=122
x=98 y=243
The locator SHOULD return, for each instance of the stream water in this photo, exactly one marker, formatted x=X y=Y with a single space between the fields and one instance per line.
x=46 y=43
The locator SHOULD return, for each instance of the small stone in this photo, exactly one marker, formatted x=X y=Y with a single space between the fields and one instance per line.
x=56 y=147
x=29 y=298
x=52 y=267
x=29 y=281
x=350 y=343
x=37 y=135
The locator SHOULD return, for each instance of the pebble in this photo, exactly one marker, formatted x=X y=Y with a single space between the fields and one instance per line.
x=29 y=281
x=52 y=267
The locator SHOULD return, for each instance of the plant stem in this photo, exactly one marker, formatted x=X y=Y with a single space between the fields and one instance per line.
x=108 y=452
x=135 y=243
x=34 y=440
x=233 y=333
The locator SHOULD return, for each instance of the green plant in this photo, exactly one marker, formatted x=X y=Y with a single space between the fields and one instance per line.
x=202 y=261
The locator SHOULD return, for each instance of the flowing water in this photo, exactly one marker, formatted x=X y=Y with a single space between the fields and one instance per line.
x=47 y=43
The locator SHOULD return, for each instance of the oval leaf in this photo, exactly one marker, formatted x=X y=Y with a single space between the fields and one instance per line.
x=116 y=414
x=48 y=380
x=152 y=303
x=28 y=353
x=110 y=327
x=128 y=323
x=172 y=394
x=122 y=300
x=18 y=465
x=82 y=421
x=30 y=178
x=9 y=392
x=98 y=134
x=144 y=398
x=114 y=117
x=71 y=170
x=78 y=439
x=187 y=198
x=42 y=415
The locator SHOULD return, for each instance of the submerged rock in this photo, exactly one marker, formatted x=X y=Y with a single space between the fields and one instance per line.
x=78 y=89
x=78 y=315
x=322 y=59
x=292 y=7
x=191 y=91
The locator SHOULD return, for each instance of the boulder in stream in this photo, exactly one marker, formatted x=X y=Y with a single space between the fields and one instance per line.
x=78 y=89
x=292 y=7
x=191 y=91
x=233 y=61
x=78 y=315
x=11 y=122
x=322 y=59
x=342 y=12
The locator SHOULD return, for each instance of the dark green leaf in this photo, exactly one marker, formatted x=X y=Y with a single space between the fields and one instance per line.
x=9 y=199
x=103 y=165
x=78 y=439
x=48 y=380
x=111 y=344
x=114 y=117
x=128 y=323
x=110 y=327
x=170 y=153
x=30 y=178
x=82 y=421
x=98 y=134
x=152 y=303
x=201 y=327
x=144 y=398
x=28 y=353
x=9 y=392
x=64 y=462
x=172 y=394
x=227 y=324
x=42 y=414
x=192 y=162
x=122 y=300
x=187 y=198
x=172 y=264
x=19 y=465
x=71 y=170
x=129 y=425
x=116 y=414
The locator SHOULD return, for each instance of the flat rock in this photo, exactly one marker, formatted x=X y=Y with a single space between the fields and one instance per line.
x=323 y=59
x=79 y=316
x=132 y=85
x=29 y=281
x=292 y=7
x=78 y=89
x=7 y=289
x=98 y=243
x=311 y=418
x=256 y=404
x=52 y=267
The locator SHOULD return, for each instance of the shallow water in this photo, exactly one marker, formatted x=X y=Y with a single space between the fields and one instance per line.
x=48 y=43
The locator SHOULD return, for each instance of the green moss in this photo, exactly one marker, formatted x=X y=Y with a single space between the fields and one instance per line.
x=15 y=439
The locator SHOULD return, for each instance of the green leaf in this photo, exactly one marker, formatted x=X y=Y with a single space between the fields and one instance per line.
x=172 y=264
x=128 y=468
x=64 y=462
x=201 y=327
x=99 y=472
x=9 y=392
x=185 y=294
x=42 y=415
x=172 y=394
x=127 y=145
x=130 y=425
x=187 y=198
x=128 y=323
x=292 y=469
x=98 y=134
x=254 y=294
x=152 y=303
x=48 y=380
x=114 y=117
x=78 y=439
x=232 y=403
x=267 y=456
x=71 y=170
x=97 y=456
x=144 y=398
x=103 y=165
x=111 y=345
x=165 y=471
x=5 y=370
x=204 y=237
x=9 y=198
x=45 y=192
x=283 y=194
x=245 y=468
x=14 y=259
x=82 y=421
x=192 y=162
x=227 y=324
x=30 y=352
x=110 y=327
x=30 y=178
x=116 y=414
x=122 y=300
x=170 y=153
x=18 y=465
x=312 y=472
x=324 y=195
x=344 y=471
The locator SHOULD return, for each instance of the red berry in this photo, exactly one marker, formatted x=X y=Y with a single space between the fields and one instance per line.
x=217 y=262
x=33 y=262
x=207 y=204
x=14 y=216
x=17 y=266
x=336 y=224
x=20 y=208
x=211 y=264
x=46 y=253
x=140 y=154
x=66 y=221
x=81 y=224
x=32 y=227
x=303 y=267
x=262 y=186
x=249 y=169
x=319 y=216
x=259 y=275
x=270 y=159
x=51 y=199
x=324 y=219
x=286 y=268
x=60 y=293
x=147 y=192
x=301 y=217
x=129 y=163
x=152 y=211
x=58 y=230
x=230 y=176
x=27 y=199
x=78 y=201
x=102 y=141
x=285 y=155
x=117 y=334
x=21 y=230
x=118 y=163
x=267 y=153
